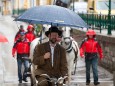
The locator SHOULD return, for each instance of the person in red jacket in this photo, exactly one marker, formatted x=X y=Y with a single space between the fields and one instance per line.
x=21 y=47
x=30 y=33
x=89 y=49
x=18 y=33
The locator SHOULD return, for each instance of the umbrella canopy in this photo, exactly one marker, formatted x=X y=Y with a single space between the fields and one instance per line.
x=53 y=15
x=3 y=38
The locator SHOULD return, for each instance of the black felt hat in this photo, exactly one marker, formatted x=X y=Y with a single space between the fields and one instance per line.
x=53 y=29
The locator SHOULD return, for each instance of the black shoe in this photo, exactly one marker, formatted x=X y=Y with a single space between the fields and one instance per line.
x=20 y=81
x=25 y=80
x=87 y=83
x=96 y=83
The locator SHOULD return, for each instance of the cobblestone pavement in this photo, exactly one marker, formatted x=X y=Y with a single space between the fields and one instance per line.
x=105 y=78
x=78 y=84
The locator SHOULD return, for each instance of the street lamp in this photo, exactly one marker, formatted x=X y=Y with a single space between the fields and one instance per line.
x=109 y=18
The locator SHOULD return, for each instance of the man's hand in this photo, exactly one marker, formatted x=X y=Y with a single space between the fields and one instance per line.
x=47 y=55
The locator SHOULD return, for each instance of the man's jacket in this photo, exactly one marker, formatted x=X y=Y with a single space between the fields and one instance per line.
x=44 y=65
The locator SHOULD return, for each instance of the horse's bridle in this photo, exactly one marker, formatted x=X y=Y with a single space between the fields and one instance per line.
x=42 y=39
x=69 y=49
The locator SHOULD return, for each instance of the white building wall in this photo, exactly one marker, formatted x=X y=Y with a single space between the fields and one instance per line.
x=43 y=2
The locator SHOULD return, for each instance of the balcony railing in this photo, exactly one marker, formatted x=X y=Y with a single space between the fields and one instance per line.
x=98 y=21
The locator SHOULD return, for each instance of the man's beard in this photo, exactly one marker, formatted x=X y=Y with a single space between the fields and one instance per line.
x=53 y=41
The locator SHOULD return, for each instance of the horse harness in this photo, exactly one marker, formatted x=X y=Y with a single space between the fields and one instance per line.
x=69 y=49
x=42 y=39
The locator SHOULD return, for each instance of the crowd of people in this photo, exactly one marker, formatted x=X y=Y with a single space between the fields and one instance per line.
x=50 y=57
x=22 y=48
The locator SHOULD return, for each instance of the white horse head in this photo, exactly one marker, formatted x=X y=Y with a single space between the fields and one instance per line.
x=44 y=37
x=67 y=39
x=66 y=31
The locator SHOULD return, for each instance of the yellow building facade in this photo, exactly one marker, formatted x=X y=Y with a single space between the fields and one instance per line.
x=22 y=5
x=18 y=6
x=6 y=7
x=101 y=6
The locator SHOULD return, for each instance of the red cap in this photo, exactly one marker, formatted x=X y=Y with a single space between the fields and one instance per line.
x=90 y=32
x=30 y=26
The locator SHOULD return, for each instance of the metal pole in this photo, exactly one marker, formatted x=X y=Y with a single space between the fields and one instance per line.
x=100 y=22
x=73 y=6
x=109 y=18
x=18 y=7
x=54 y=2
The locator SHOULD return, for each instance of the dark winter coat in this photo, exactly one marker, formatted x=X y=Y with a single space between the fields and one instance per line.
x=45 y=66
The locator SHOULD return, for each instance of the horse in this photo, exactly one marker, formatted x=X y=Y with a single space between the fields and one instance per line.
x=72 y=51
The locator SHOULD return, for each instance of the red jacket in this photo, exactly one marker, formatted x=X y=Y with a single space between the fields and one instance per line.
x=21 y=47
x=90 y=46
x=30 y=36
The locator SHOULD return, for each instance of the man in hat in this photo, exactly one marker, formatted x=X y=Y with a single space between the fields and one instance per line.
x=90 y=47
x=50 y=58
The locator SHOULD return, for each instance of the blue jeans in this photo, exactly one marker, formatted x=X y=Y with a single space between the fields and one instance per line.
x=26 y=66
x=94 y=63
